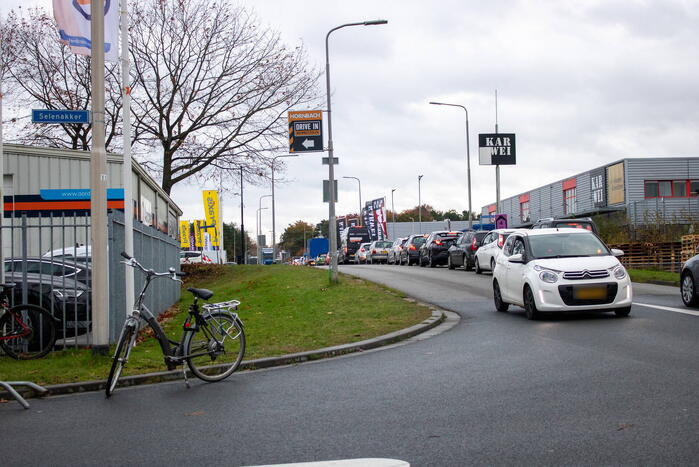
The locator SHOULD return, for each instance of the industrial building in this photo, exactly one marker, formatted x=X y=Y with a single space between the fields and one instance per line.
x=48 y=185
x=645 y=189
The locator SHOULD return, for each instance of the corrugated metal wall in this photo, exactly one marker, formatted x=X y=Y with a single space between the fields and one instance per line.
x=547 y=200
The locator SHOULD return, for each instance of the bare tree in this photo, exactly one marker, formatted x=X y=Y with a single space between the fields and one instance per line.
x=212 y=88
x=48 y=73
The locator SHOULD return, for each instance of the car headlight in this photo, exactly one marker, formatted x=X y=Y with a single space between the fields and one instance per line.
x=68 y=294
x=619 y=272
x=548 y=276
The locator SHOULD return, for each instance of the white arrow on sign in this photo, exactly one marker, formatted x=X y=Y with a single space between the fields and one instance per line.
x=308 y=143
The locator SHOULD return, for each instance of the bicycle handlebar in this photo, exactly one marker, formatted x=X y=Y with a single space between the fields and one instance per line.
x=133 y=263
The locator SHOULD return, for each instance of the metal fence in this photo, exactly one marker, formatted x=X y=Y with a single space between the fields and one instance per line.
x=48 y=258
x=153 y=249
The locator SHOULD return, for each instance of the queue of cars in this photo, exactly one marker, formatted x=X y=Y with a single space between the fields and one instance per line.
x=557 y=265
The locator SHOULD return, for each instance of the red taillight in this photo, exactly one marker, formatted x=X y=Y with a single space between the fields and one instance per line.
x=412 y=247
x=437 y=242
x=501 y=240
x=474 y=244
x=373 y=252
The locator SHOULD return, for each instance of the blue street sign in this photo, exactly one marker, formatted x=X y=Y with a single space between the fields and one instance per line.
x=60 y=116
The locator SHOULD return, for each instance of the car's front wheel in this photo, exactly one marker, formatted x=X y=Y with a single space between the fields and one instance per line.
x=497 y=298
x=529 y=304
x=450 y=265
x=623 y=311
x=688 y=290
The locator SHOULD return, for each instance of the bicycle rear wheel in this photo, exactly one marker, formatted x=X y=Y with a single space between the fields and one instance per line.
x=121 y=356
x=214 y=350
x=34 y=331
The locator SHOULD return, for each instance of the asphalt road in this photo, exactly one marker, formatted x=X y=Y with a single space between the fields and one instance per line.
x=589 y=389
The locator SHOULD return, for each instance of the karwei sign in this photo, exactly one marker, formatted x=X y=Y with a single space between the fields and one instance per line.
x=496 y=149
x=305 y=131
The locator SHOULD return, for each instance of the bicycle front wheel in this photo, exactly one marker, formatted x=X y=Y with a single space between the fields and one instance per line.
x=27 y=332
x=121 y=356
x=214 y=350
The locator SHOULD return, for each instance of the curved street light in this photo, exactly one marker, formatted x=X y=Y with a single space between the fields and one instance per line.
x=331 y=175
x=360 y=198
x=468 y=159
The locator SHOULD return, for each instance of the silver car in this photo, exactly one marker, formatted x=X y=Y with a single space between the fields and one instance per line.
x=378 y=252
x=396 y=248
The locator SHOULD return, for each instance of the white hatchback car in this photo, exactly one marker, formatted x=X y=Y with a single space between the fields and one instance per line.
x=489 y=250
x=560 y=270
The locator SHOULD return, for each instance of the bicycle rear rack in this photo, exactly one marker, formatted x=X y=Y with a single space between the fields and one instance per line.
x=230 y=305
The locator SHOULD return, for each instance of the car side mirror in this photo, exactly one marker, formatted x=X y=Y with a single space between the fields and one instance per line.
x=617 y=252
x=516 y=259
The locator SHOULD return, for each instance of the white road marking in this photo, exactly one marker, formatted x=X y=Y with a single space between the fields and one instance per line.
x=668 y=308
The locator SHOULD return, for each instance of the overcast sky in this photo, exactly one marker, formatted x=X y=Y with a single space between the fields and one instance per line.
x=581 y=84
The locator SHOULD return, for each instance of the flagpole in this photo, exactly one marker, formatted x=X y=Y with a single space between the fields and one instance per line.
x=127 y=166
x=98 y=187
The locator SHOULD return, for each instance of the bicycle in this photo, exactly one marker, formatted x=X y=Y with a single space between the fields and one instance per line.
x=27 y=331
x=212 y=341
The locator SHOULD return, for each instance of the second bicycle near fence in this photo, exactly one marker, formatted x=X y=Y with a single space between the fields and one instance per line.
x=212 y=343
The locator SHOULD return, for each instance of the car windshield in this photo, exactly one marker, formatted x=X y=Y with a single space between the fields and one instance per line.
x=418 y=240
x=562 y=245
x=383 y=244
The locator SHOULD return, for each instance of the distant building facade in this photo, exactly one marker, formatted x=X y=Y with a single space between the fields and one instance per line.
x=644 y=189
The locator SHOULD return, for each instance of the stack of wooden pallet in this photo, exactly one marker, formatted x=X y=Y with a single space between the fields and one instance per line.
x=689 y=246
x=665 y=256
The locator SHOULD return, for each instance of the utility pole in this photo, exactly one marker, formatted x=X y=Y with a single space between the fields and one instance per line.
x=242 y=223
x=127 y=172
x=419 y=203
x=393 y=214
x=98 y=188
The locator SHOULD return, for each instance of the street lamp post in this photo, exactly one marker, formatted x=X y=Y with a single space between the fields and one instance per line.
x=274 y=232
x=258 y=231
x=360 y=198
x=331 y=175
x=419 y=203
x=393 y=214
x=468 y=159
x=259 y=226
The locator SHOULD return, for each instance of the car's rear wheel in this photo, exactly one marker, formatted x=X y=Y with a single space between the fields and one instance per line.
x=467 y=265
x=492 y=264
x=529 y=304
x=497 y=298
x=688 y=289
x=623 y=311
x=478 y=267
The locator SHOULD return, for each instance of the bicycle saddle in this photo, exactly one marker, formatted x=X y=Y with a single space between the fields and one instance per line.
x=204 y=294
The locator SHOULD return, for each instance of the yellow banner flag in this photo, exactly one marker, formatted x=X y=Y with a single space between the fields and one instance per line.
x=184 y=234
x=199 y=233
x=211 y=211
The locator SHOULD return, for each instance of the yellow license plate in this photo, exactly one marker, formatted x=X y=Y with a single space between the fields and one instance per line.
x=590 y=293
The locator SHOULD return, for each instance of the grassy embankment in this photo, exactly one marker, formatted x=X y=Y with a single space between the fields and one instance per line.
x=650 y=275
x=285 y=310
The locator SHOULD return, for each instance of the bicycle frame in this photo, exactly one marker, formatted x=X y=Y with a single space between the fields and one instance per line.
x=171 y=349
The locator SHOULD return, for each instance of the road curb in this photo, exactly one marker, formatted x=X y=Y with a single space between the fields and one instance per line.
x=438 y=316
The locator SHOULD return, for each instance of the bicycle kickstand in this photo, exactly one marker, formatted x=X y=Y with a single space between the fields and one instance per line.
x=184 y=374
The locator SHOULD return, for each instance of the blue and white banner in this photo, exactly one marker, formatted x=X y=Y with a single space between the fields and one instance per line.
x=73 y=18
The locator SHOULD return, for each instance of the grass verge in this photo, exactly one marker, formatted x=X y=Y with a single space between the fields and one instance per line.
x=285 y=310
x=650 y=276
